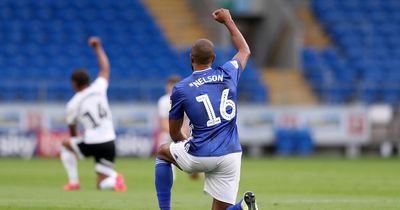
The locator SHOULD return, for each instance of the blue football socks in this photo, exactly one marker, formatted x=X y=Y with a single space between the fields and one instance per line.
x=237 y=206
x=164 y=181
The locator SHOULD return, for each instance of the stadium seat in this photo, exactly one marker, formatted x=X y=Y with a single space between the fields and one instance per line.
x=365 y=35
x=284 y=142
x=54 y=35
x=364 y=54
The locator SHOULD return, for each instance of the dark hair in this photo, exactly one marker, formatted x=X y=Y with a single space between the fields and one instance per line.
x=80 y=77
x=172 y=80
x=202 y=51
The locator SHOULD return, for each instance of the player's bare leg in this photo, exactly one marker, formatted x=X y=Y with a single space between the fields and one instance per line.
x=69 y=160
x=195 y=176
x=100 y=177
x=165 y=154
x=219 y=205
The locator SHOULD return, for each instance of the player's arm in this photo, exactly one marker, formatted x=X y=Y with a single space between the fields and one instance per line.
x=72 y=130
x=175 y=130
x=223 y=16
x=104 y=64
x=71 y=120
x=176 y=116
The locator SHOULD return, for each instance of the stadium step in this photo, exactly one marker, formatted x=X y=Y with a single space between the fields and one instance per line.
x=314 y=34
x=288 y=87
x=177 y=20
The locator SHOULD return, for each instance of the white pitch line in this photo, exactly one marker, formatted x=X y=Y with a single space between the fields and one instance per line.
x=366 y=200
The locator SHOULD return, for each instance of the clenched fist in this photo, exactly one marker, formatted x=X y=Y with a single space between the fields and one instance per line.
x=94 y=41
x=222 y=15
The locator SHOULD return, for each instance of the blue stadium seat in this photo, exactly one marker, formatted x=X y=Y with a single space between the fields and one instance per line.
x=285 y=142
x=391 y=94
x=305 y=144
x=54 y=35
x=365 y=53
x=58 y=92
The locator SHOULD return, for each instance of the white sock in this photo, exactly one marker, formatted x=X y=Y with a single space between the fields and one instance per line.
x=108 y=183
x=69 y=161
x=106 y=170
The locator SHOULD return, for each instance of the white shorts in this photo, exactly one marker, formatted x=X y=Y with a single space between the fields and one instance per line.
x=222 y=174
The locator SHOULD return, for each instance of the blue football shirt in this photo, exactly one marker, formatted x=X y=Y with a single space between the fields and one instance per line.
x=209 y=99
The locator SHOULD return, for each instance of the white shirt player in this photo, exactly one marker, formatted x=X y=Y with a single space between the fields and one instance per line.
x=164 y=105
x=90 y=108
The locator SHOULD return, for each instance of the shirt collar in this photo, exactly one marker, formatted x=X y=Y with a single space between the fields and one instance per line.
x=201 y=71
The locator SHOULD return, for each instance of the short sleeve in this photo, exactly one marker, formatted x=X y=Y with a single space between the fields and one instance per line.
x=234 y=69
x=177 y=109
x=71 y=115
x=100 y=84
x=164 y=105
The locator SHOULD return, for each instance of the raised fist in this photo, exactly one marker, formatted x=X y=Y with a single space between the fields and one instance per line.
x=94 y=41
x=221 y=15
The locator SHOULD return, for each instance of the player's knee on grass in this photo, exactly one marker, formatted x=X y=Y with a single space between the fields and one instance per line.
x=100 y=178
x=103 y=172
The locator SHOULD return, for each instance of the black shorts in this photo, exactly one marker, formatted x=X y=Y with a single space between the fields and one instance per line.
x=102 y=153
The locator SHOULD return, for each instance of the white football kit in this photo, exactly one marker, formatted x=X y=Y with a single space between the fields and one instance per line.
x=90 y=108
x=222 y=174
x=164 y=105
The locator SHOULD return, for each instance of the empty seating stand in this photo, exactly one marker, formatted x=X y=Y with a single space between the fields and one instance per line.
x=363 y=65
x=42 y=42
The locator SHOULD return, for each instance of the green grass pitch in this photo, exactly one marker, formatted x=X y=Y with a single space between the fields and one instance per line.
x=280 y=184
